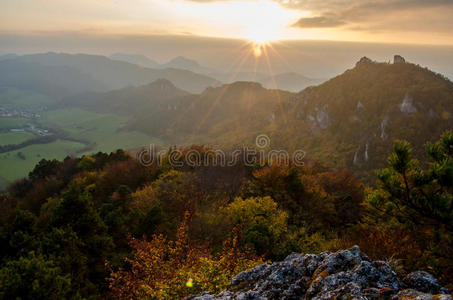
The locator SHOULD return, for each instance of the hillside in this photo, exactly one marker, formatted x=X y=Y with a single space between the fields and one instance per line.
x=151 y=108
x=355 y=117
x=229 y=114
x=215 y=115
x=130 y=100
x=118 y=74
x=349 y=121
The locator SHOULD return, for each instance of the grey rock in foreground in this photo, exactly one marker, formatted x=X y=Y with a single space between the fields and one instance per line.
x=346 y=274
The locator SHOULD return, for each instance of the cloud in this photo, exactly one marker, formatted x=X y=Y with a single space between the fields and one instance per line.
x=375 y=15
x=318 y=22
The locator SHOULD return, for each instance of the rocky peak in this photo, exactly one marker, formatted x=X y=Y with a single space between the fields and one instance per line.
x=364 y=60
x=345 y=274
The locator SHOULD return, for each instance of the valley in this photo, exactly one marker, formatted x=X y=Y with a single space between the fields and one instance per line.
x=325 y=121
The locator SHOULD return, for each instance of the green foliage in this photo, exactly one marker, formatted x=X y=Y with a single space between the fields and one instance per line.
x=411 y=194
x=33 y=277
x=87 y=163
x=261 y=222
x=418 y=201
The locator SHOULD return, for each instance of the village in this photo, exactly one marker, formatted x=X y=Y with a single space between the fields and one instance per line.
x=26 y=114
x=15 y=113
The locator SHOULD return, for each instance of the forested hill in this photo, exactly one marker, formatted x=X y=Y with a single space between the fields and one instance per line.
x=355 y=117
x=349 y=121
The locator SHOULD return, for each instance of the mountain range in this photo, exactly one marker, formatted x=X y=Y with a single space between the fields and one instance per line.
x=107 y=73
x=289 y=81
x=349 y=121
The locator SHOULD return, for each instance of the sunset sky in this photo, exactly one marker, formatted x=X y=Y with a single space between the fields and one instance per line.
x=388 y=21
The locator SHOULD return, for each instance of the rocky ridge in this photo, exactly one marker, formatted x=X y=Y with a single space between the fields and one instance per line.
x=346 y=274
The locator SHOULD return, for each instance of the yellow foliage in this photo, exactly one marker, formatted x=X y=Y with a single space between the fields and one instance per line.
x=162 y=268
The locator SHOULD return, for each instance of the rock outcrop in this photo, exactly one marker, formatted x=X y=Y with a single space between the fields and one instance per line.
x=364 y=60
x=346 y=274
x=407 y=106
x=398 y=59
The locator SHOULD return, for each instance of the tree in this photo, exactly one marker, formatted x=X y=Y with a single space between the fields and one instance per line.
x=33 y=277
x=413 y=195
x=44 y=169
x=260 y=221
x=418 y=201
x=76 y=211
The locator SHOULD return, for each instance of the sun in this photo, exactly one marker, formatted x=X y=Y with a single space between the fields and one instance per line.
x=262 y=33
x=258 y=49
x=265 y=23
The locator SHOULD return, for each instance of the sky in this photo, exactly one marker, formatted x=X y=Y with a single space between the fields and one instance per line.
x=316 y=38
x=384 y=21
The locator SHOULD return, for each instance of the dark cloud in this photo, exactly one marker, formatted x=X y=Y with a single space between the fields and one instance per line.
x=318 y=22
x=376 y=15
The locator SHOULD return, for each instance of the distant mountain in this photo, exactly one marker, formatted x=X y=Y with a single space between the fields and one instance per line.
x=239 y=76
x=136 y=59
x=184 y=63
x=8 y=56
x=181 y=62
x=117 y=74
x=55 y=81
x=290 y=81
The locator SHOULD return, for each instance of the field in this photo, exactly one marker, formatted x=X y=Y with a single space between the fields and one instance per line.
x=9 y=123
x=101 y=131
x=9 y=138
x=13 y=167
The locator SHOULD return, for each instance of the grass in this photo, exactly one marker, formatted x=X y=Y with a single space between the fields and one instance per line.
x=9 y=138
x=7 y=123
x=102 y=129
x=12 y=167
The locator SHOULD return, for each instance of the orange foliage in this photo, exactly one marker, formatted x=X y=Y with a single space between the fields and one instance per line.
x=160 y=267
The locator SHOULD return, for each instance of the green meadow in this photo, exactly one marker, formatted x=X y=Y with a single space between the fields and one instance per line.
x=103 y=132
x=10 y=123
x=13 y=167
x=9 y=138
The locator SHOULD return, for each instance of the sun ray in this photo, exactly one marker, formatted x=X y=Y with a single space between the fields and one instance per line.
x=277 y=91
